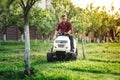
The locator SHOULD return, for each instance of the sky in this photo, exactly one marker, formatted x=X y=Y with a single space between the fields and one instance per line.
x=106 y=3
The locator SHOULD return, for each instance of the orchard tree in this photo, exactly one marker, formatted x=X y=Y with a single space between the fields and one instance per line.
x=5 y=19
x=11 y=14
x=26 y=5
x=42 y=20
x=84 y=25
x=4 y=22
x=95 y=19
x=17 y=18
x=81 y=23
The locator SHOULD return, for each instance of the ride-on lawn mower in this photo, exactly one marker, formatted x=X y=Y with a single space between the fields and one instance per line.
x=61 y=49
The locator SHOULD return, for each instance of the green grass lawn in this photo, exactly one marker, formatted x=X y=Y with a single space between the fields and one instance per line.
x=102 y=63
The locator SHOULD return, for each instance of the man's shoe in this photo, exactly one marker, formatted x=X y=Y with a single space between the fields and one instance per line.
x=72 y=50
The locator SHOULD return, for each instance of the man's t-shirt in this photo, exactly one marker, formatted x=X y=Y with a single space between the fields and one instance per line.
x=64 y=27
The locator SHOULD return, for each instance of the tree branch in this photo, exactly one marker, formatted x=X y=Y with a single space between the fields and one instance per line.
x=22 y=4
x=31 y=3
x=28 y=2
x=27 y=6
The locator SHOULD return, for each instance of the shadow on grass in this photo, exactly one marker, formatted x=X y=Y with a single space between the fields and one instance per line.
x=106 y=61
x=10 y=47
x=113 y=52
x=11 y=43
x=96 y=71
x=20 y=75
x=12 y=75
x=11 y=51
x=102 y=52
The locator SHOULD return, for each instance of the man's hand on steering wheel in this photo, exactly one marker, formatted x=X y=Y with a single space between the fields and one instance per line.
x=66 y=33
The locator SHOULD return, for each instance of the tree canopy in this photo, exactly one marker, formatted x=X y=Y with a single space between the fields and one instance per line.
x=89 y=19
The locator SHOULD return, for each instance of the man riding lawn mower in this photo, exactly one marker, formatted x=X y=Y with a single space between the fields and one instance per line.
x=64 y=47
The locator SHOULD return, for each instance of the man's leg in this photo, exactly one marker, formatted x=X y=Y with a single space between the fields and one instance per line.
x=71 y=42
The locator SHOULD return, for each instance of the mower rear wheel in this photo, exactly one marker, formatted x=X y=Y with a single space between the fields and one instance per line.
x=76 y=52
x=73 y=56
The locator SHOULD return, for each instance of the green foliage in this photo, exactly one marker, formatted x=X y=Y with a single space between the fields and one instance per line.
x=16 y=15
x=5 y=4
x=63 y=6
x=10 y=16
x=42 y=20
x=83 y=20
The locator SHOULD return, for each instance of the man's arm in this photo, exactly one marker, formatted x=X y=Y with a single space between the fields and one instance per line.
x=56 y=31
x=69 y=32
x=55 y=34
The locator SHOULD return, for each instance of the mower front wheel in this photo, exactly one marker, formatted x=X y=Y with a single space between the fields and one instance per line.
x=50 y=57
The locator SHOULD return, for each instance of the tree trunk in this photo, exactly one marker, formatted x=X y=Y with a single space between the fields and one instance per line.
x=94 y=39
x=22 y=37
x=87 y=39
x=107 y=39
x=83 y=48
x=103 y=39
x=98 y=40
x=90 y=40
x=27 y=45
x=4 y=37
x=118 y=38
